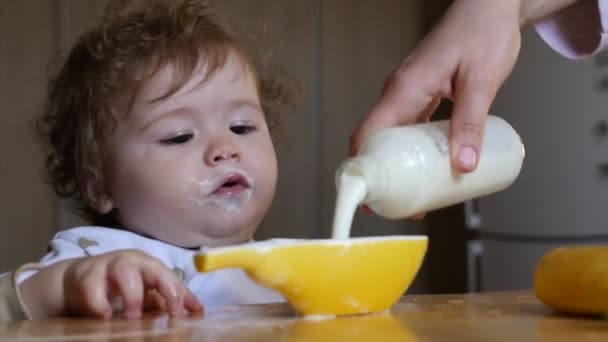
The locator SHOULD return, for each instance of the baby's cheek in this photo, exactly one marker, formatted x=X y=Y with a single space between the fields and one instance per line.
x=145 y=203
x=266 y=181
x=268 y=169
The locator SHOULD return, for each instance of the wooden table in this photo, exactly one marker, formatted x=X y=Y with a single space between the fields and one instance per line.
x=504 y=316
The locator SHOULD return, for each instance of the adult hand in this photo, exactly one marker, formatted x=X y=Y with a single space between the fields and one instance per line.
x=465 y=58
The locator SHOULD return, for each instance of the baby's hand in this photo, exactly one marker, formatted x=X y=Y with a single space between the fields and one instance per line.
x=87 y=286
x=90 y=283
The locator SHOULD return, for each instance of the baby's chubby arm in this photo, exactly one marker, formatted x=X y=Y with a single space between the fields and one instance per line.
x=85 y=286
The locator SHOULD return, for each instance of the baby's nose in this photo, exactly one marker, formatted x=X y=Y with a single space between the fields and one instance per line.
x=222 y=151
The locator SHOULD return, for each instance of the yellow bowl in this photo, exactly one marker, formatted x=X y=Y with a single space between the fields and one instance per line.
x=327 y=277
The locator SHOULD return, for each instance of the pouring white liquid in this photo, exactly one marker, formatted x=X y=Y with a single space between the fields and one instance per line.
x=403 y=171
x=352 y=192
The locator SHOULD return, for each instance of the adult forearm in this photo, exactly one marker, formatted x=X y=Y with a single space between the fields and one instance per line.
x=533 y=10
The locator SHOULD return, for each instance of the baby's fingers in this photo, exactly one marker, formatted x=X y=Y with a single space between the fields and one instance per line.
x=93 y=297
x=156 y=276
x=191 y=303
x=125 y=276
x=153 y=301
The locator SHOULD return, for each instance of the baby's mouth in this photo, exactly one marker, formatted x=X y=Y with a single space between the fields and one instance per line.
x=233 y=185
x=229 y=189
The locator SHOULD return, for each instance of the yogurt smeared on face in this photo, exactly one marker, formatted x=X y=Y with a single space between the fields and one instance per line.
x=229 y=189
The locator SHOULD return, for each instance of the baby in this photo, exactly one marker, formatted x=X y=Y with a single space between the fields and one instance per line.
x=159 y=123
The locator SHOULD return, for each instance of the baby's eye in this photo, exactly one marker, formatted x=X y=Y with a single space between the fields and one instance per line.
x=242 y=129
x=178 y=139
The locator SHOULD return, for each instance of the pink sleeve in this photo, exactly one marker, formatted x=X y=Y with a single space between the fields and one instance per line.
x=577 y=31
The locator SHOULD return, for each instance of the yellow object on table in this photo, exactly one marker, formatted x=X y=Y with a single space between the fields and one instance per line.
x=574 y=280
x=327 y=277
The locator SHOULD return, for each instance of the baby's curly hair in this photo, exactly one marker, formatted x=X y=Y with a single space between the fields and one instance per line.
x=108 y=65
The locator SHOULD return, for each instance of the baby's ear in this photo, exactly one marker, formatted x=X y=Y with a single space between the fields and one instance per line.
x=97 y=197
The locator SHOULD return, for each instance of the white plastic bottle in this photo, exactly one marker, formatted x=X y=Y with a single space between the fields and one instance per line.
x=403 y=171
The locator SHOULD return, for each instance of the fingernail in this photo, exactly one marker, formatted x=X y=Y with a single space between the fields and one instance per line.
x=176 y=305
x=467 y=156
x=174 y=309
x=367 y=210
x=107 y=314
x=133 y=313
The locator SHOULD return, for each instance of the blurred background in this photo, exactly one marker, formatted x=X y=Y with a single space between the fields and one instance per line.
x=341 y=51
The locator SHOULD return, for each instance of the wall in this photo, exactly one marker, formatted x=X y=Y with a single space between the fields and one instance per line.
x=28 y=209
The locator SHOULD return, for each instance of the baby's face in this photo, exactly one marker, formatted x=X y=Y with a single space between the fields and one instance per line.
x=197 y=168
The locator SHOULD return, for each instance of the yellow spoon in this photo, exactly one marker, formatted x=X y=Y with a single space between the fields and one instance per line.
x=327 y=277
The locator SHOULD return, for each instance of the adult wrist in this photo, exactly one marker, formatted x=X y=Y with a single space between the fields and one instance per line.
x=531 y=11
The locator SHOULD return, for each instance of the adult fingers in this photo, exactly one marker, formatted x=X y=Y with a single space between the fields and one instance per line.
x=474 y=95
x=405 y=98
